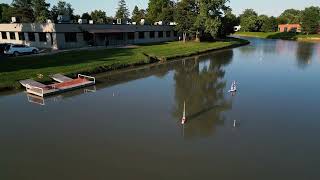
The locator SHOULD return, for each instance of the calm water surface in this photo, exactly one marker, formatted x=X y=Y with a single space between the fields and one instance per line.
x=130 y=127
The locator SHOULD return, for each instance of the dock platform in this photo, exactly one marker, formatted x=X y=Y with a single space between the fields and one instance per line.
x=38 y=89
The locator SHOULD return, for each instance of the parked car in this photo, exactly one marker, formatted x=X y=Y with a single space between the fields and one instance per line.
x=19 y=49
x=2 y=47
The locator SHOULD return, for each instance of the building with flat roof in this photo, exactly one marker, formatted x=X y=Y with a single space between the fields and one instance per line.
x=66 y=36
x=289 y=28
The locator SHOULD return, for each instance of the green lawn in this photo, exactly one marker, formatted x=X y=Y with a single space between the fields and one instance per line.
x=94 y=61
x=255 y=34
x=278 y=35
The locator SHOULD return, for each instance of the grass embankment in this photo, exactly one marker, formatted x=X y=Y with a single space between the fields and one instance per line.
x=94 y=61
x=279 y=35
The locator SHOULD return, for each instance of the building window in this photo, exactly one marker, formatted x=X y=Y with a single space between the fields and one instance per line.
x=31 y=36
x=141 y=35
x=70 y=37
x=160 y=34
x=152 y=34
x=175 y=33
x=21 y=36
x=118 y=36
x=87 y=36
x=4 y=35
x=42 y=37
x=131 y=35
x=12 y=36
x=168 y=34
x=285 y=29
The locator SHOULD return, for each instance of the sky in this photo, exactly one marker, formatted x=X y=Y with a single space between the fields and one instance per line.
x=268 y=7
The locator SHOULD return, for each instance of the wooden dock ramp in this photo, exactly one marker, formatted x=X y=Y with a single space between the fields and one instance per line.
x=60 y=78
x=31 y=82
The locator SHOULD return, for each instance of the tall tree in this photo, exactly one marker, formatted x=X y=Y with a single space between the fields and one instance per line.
x=5 y=13
x=122 y=12
x=290 y=16
x=62 y=8
x=135 y=14
x=138 y=14
x=211 y=14
x=262 y=19
x=142 y=13
x=70 y=11
x=41 y=11
x=160 y=10
x=99 y=16
x=23 y=9
x=229 y=20
x=186 y=14
x=86 y=16
x=269 y=24
x=248 y=20
x=310 y=20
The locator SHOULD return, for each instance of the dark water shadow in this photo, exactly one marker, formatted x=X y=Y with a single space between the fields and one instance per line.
x=284 y=36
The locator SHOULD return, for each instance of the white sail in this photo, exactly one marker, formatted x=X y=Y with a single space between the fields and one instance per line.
x=233 y=87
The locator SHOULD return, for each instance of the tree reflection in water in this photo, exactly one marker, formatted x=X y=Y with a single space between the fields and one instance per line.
x=203 y=89
x=304 y=54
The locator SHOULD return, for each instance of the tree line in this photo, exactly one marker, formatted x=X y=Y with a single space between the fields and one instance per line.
x=309 y=19
x=195 y=19
x=38 y=11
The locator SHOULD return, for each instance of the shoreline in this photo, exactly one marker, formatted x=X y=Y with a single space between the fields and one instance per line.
x=281 y=36
x=152 y=60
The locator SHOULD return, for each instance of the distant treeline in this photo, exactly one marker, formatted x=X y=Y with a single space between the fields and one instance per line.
x=309 y=19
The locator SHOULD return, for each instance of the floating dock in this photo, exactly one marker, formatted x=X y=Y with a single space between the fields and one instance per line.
x=64 y=84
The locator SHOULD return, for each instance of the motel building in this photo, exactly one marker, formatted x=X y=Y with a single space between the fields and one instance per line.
x=67 y=36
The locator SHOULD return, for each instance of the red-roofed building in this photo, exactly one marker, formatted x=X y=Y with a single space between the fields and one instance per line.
x=289 y=28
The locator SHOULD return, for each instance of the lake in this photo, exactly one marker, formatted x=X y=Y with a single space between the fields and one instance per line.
x=129 y=125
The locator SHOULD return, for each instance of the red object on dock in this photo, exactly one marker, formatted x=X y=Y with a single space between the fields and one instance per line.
x=70 y=83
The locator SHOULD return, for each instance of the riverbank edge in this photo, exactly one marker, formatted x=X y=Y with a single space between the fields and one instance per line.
x=151 y=60
x=242 y=42
x=264 y=36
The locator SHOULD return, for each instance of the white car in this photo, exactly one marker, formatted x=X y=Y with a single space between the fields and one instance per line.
x=19 y=49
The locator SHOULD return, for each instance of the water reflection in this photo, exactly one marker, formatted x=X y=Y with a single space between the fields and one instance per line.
x=43 y=100
x=89 y=133
x=284 y=48
x=202 y=86
x=304 y=54
x=248 y=50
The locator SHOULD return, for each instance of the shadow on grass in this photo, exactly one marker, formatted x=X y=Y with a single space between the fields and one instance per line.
x=284 y=36
x=64 y=59
x=155 y=43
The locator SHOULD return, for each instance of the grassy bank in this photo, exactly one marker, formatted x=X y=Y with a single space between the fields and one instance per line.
x=278 y=35
x=94 y=61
